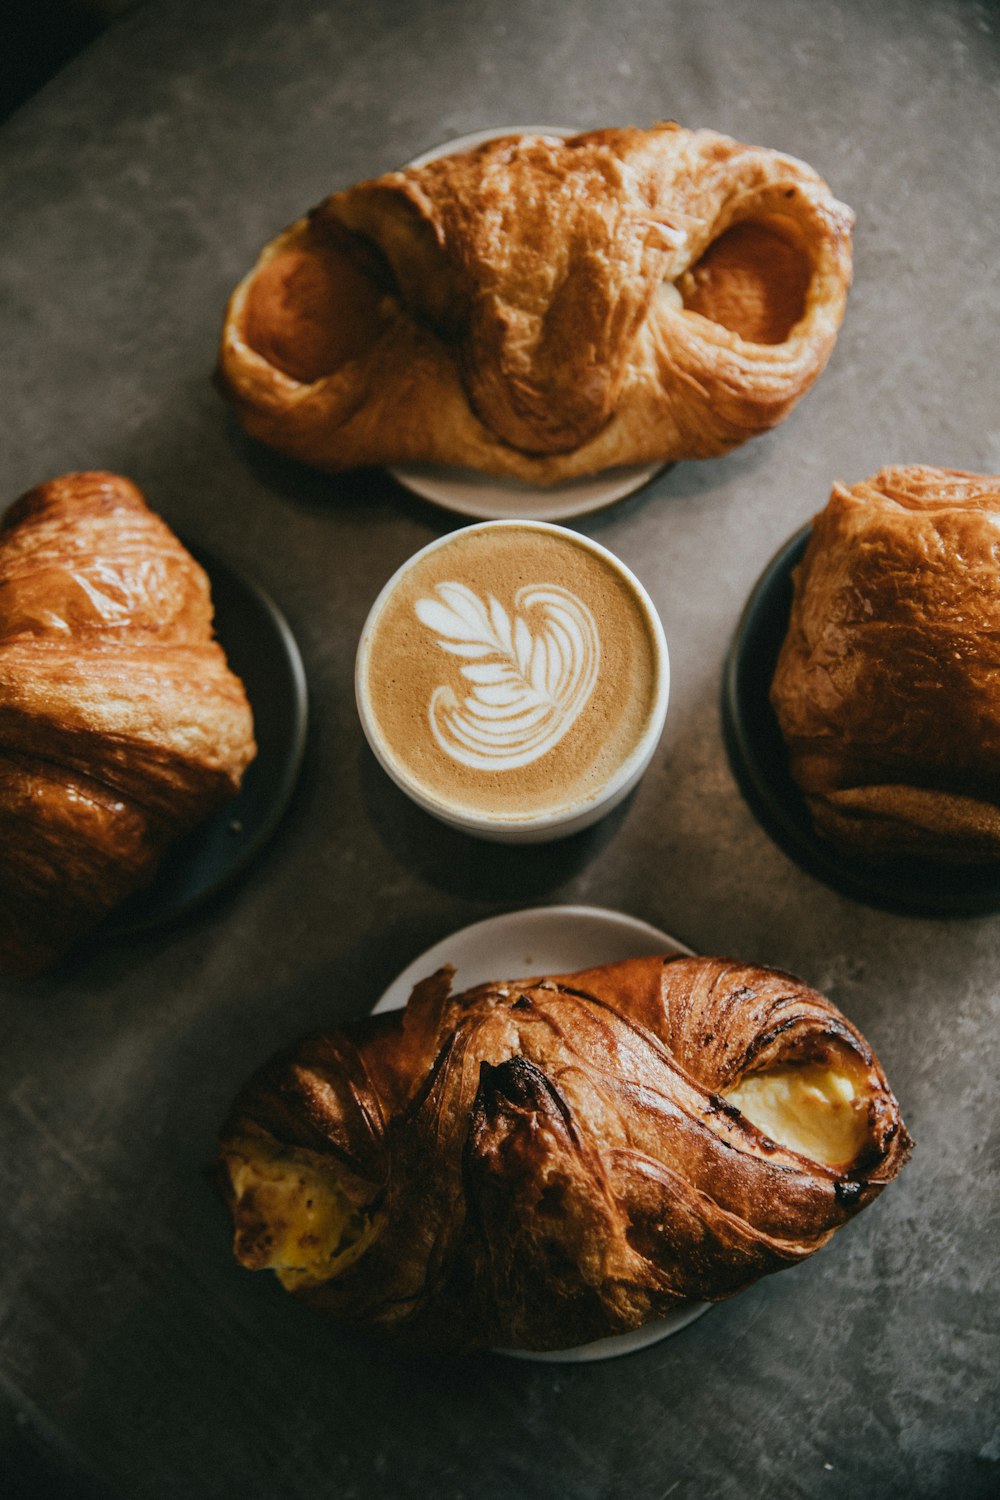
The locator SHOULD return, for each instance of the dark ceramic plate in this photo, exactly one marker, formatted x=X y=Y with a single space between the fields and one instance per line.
x=262 y=651
x=757 y=755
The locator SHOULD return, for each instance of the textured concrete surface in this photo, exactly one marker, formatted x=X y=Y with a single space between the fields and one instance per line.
x=136 y=189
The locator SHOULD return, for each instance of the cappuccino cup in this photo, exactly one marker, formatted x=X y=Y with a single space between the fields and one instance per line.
x=512 y=678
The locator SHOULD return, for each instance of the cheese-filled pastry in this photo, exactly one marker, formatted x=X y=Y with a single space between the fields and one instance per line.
x=539 y=1163
x=887 y=687
x=542 y=309
x=121 y=725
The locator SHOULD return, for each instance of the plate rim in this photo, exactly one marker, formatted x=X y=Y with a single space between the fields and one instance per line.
x=550 y=504
x=615 y=1345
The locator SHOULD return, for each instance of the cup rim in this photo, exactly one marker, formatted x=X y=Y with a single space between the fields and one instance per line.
x=626 y=774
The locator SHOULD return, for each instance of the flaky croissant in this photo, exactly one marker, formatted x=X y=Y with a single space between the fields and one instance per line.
x=544 y=309
x=543 y=1162
x=887 y=687
x=121 y=726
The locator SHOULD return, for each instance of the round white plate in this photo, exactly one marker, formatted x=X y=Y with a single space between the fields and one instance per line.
x=470 y=493
x=549 y=940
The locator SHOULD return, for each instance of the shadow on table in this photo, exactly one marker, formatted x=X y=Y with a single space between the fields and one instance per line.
x=302 y=484
x=375 y=487
x=38 y=1464
x=456 y=863
x=38 y=37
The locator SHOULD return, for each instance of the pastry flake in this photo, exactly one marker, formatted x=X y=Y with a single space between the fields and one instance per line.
x=543 y=309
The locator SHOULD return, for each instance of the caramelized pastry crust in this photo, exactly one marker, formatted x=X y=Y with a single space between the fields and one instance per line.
x=121 y=726
x=887 y=688
x=544 y=309
x=539 y=1163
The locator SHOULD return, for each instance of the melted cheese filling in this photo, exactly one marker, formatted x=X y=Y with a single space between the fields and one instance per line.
x=296 y=1222
x=810 y=1107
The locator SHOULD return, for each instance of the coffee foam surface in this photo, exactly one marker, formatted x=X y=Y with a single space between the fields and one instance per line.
x=511 y=672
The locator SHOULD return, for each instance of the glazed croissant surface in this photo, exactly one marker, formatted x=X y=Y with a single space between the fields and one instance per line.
x=887 y=688
x=543 y=308
x=542 y=1162
x=121 y=725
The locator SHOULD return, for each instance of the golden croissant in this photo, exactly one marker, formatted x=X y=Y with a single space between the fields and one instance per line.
x=544 y=309
x=887 y=687
x=121 y=725
x=543 y=1162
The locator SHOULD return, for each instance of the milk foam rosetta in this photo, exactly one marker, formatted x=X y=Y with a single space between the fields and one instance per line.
x=510 y=671
x=525 y=687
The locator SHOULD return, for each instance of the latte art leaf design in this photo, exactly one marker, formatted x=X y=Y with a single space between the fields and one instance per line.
x=527 y=686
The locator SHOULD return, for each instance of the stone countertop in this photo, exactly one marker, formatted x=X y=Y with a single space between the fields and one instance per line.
x=136 y=1358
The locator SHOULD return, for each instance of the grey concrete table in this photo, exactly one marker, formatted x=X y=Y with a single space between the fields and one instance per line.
x=136 y=1358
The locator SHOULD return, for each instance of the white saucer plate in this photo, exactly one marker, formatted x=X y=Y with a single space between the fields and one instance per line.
x=467 y=492
x=549 y=940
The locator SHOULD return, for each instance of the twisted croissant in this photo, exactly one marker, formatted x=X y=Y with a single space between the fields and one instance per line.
x=540 y=1163
x=543 y=309
x=887 y=688
x=121 y=725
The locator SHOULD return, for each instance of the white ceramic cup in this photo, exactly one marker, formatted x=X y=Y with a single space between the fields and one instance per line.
x=564 y=817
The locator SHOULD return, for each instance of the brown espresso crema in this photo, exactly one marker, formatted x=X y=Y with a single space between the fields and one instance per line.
x=511 y=671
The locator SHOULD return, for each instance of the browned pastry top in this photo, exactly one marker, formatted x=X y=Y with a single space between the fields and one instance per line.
x=121 y=725
x=887 y=688
x=543 y=307
x=543 y=1162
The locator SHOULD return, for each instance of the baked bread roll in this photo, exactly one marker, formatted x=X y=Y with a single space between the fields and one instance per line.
x=543 y=309
x=540 y=1163
x=121 y=726
x=887 y=687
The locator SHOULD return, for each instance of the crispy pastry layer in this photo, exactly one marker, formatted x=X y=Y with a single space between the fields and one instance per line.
x=544 y=309
x=887 y=688
x=543 y=1162
x=121 y=726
